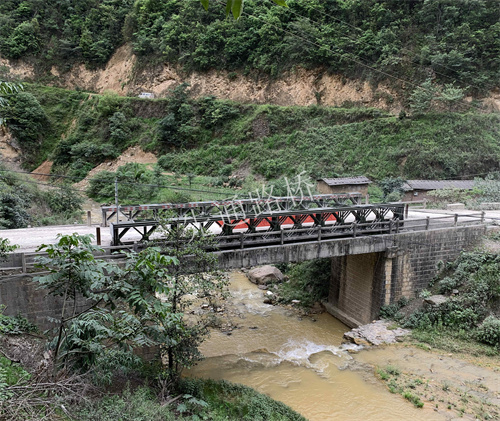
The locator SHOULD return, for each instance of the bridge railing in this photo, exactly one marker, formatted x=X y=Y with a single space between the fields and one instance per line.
x=26 y=262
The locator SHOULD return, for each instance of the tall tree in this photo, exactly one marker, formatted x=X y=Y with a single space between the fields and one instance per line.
x=196 y=279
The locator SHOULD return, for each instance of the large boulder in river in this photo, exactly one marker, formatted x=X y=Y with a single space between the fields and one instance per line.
x=264 y=275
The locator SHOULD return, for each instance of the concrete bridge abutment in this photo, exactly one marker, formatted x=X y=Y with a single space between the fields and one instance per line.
x=362 y=283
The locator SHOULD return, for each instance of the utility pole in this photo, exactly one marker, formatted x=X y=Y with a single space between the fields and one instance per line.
x=116 y=200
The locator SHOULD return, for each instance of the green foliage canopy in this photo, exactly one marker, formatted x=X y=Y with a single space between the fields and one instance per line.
x=408 y=39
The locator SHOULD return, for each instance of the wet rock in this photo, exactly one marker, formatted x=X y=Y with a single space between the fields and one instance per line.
x=268 y=301
x=264 y=287
x=360 y=341
x=435 y=300
x=264 y=275
x=295 y=301
x=375 y=333
x=317 y=308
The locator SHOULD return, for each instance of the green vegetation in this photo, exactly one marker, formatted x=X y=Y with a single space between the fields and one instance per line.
x=7 y=89
x=457 y=40
x=61 y=33
x=5 y=247
x=122 y=310
x=15 y=325
x=27 y=121
x=201 y=400
x=22 y=203
x=471 y=313
x=139 y=304
x=307 y=282
x=400 y=384
x=435 y=146
x=218 y=139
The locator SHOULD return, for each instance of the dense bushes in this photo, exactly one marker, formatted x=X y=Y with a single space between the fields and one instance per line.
x=201 y=400
x=410 y=39
x=473 y=283
x=27 y=121
x=62 y=33
x=23 y=204
x=438 y=146
x=219 y=138
x=135 y=185
x=308 y=282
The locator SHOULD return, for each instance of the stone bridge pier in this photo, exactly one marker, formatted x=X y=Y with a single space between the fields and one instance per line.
x=361 y=284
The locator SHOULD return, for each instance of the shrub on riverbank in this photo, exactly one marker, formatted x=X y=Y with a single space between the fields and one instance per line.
x=308 y=282
x=198 y=400
x=472 y=310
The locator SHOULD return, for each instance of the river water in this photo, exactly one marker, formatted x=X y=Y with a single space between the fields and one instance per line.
x=298 y=361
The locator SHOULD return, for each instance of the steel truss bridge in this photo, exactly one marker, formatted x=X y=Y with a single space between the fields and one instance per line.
x=248 y=206
x=259 y=222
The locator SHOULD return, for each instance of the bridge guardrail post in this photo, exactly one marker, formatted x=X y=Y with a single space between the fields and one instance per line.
x=319 y=233
x=282 y=239
x=354 y=229
x=241 y=240
x=23 y=262
x=455 y=220
x=427 y=222
x=391 y=223
x=482 y=216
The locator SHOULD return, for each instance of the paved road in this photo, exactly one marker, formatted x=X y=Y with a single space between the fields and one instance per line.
x=29 y=239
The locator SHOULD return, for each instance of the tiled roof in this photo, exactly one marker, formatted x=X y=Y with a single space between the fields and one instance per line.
x=345 y=180
x=438 y=184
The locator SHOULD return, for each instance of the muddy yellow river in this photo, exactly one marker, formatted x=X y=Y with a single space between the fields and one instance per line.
x=297 y=361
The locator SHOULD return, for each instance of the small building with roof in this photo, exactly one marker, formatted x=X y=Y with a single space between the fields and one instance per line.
x=357 y=184
x=419 y=189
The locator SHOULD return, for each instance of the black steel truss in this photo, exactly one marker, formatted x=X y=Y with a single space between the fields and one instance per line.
x=254 y=206
x=287 y=223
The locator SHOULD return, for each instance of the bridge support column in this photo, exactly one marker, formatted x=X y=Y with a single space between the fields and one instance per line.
x=360 y=284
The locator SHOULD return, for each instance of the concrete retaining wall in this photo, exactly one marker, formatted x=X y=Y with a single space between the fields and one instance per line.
x=21 y=296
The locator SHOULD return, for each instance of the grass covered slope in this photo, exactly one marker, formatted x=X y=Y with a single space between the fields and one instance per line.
x=434 y=146
x=220 y=138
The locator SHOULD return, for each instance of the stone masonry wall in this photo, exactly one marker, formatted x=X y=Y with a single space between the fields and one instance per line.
x=362 y=283
x=21 y=296
x=417 y=257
